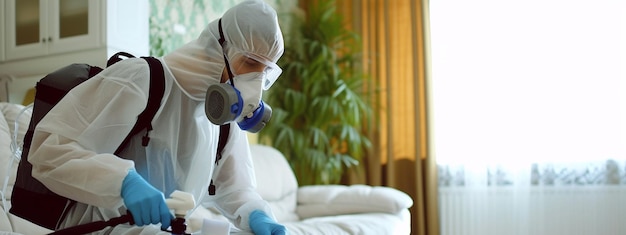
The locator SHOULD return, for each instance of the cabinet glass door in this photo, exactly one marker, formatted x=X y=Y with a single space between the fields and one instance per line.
x=74 y=24
x=27 y=22
x=25 y=32
x=73 y=18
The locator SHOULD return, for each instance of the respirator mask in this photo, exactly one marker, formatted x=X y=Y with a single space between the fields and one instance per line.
x=248 y=73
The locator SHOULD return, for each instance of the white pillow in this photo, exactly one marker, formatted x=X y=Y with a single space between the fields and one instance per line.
x=326 y=200
x=11 y=113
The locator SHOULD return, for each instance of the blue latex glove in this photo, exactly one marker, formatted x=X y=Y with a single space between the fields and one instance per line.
x=261 y=224
x=145 y=203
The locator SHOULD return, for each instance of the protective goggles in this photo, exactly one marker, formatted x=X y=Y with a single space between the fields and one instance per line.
x=244 y=62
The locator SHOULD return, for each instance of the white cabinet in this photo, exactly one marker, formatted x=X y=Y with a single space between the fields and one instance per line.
x=42 y=27
x=41 y=36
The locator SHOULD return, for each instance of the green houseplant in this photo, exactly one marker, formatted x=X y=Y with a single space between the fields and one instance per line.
x=319 y=108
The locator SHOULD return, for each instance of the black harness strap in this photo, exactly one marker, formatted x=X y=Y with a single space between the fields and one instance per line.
x=221 y=144
x=224 y=132
x=144 y=120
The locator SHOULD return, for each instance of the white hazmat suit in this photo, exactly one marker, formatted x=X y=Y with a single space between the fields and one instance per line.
x=73 y=145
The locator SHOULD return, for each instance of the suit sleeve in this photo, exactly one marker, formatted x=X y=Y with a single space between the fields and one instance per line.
x=236 y=196
x=73 y=145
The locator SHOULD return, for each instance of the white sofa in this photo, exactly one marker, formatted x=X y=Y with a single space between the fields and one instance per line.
x=9 y=223
x=320 y=209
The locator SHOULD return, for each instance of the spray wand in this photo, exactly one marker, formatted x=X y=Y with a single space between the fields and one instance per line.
x=179 y=201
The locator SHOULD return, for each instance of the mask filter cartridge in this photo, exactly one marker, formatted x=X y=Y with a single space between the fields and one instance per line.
x=223 y=103
x=260 y=117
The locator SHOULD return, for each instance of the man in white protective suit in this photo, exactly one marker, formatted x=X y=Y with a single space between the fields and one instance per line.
x=72 y=147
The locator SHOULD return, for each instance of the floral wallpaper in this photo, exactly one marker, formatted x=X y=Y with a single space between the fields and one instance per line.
x=176 y=22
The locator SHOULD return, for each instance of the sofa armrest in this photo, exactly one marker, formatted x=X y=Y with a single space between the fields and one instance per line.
x=327 y=200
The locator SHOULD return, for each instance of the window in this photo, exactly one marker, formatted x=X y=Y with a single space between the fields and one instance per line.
x=524 y=81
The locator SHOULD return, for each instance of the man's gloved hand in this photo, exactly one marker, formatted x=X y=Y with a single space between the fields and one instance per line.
x=145 y=203
x=261 y=224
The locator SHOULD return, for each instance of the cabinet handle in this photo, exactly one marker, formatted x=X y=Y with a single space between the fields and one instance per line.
x=49 y=39
x=43 y=40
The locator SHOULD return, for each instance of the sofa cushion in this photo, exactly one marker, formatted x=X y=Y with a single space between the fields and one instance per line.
x=365 y=223
x=5 y=154
x=6 y=157
x=25 y=227
x=10 y=113
x=276 y=182
x=327 y=200
x=5 y=224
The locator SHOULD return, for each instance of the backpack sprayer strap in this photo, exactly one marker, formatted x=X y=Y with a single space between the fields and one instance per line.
x=144 y=120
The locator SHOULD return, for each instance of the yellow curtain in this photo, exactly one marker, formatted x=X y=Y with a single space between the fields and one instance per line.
x=395 y=44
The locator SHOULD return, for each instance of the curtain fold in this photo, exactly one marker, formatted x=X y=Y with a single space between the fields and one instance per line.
x=395 y=56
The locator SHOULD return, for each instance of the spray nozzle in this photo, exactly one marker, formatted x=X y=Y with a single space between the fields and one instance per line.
x=180 y=202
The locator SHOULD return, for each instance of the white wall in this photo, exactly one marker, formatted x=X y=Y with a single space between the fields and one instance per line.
x=19 y=87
